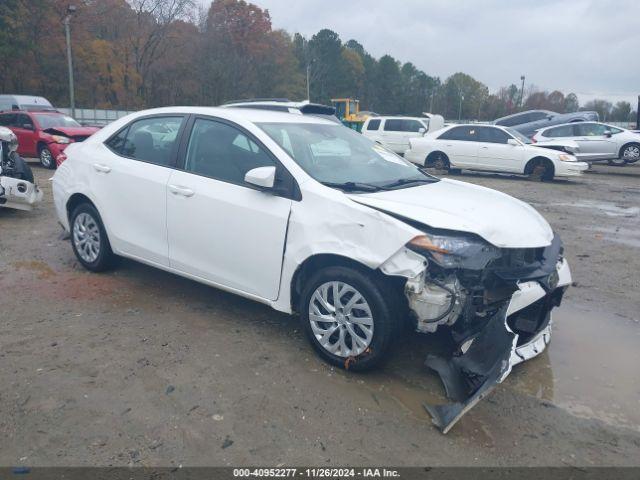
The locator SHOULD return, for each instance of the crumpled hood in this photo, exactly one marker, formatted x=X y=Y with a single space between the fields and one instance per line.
x=453 y=205
x=72 y=131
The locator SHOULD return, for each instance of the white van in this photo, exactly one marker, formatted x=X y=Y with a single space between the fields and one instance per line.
x=395 y=132
x=24 y=102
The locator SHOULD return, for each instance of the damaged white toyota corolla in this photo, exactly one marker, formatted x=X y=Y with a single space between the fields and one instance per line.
x=310 y=217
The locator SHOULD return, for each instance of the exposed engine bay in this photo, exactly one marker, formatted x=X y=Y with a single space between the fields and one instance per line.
x=495 y=302
x=17 y=186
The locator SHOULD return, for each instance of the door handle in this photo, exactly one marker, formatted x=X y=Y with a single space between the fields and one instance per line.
x=179 y=190
x=100 y=167
x=484 y=147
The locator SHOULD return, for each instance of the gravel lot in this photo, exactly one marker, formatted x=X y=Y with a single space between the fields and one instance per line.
x=141 y=367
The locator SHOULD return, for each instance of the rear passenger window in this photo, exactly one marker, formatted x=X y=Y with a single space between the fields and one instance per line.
x=564 y=131
x=469 y=134
x=373 y=125
x=7 y=120
x=150 y=139
x=223 y=152
x=411 y=126
x=393 y=125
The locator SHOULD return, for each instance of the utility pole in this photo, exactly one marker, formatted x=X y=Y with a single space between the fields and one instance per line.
x=638 y=115
x=433 y=93
x=460 y=107
x=308 y=95
x=522 y=91
x=71 y=9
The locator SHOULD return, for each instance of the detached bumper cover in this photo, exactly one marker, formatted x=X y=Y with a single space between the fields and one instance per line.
x=18 y=194
x=469 y=377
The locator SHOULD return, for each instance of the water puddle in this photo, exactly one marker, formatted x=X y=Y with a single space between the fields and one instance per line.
x=609 y=209
x=590 y=367
x=621 y=235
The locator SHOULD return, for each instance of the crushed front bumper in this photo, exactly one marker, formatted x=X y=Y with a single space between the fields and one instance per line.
x=18 y=194
x=517 y=332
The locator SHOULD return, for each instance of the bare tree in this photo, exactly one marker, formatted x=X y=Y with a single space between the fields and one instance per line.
x=148 y=35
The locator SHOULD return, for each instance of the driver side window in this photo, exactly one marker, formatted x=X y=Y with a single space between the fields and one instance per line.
x=223 y=152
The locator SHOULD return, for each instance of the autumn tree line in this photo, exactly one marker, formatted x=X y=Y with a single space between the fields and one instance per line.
x=133 y=54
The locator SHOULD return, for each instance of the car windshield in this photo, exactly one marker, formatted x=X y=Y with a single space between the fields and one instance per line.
x=340 y=157
x=519 y=136
x=53 y=121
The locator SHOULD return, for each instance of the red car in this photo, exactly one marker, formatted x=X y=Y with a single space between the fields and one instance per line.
x=44 y=134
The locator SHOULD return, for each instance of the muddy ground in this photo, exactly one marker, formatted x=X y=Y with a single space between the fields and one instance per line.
x=141 y=367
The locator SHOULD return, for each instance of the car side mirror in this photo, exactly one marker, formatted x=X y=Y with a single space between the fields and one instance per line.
x=607 y=133
x=263 y=177
x=27 y=126
x=422 y=131
x=513 y=142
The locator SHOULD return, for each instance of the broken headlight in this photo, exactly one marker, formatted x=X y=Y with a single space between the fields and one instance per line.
x=455 y=251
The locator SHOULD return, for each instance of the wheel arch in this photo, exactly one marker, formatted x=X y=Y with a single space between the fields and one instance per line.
x=323 y=260
x=75 y=200
x=432 y=156
x=535 y=160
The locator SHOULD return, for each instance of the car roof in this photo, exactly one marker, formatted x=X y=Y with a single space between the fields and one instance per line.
x=237 y=114
x=574 y=123
x=396 y=117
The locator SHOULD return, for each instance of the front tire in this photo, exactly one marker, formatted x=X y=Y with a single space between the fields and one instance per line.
x=438 y=161
x=347 y=318
x=46 y=158
x=540 y=170
x=630 y=153
x=89 y=239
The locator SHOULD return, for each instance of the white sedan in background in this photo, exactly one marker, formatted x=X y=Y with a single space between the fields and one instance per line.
x=496 y=149
x=597 y=141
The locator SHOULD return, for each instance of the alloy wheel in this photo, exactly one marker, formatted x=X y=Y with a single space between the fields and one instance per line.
x=341 y=319
x=46 y=159
x=86 y=237
x=631 y=153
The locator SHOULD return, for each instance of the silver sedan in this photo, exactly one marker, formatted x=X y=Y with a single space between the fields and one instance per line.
x=597 y=141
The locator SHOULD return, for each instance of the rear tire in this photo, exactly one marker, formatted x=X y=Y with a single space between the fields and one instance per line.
x=46 y=158
x=89 y=239
x=354 y=336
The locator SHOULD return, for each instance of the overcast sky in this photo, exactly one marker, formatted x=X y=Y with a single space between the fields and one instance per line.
x=590 y=47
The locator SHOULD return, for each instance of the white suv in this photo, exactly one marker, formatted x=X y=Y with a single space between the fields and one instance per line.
x=307 y=216
x=395 y=132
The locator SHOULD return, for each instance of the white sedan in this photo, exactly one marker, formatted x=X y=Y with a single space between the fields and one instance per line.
x=596 y=141
x=309 y=217
x=496 y=149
